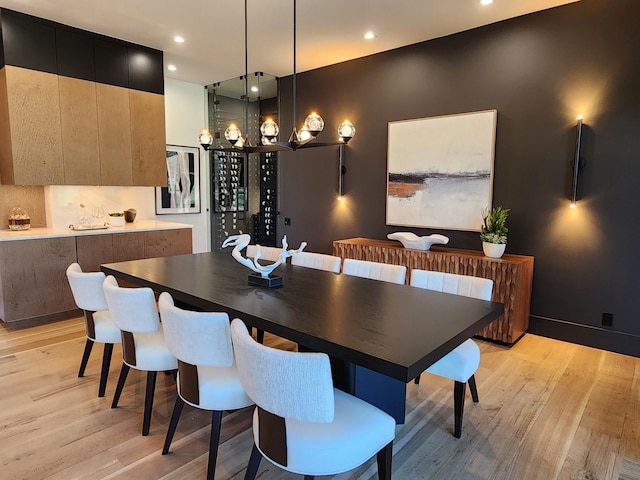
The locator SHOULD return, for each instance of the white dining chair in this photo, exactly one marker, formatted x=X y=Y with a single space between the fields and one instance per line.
x=461 y=364
x=301 y=423
x=133 y=310
x=319 y=261
x=88 y=294
x=374 y=270
x=270 y=254
x=207 y=375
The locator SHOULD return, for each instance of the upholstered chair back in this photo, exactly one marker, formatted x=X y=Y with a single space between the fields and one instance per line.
x=197 y=338
x=318 y=261
x=465 y=285
x=132 y=309
x=290 y=385
x=86 y=288
x=375 y=270
x=270 y=254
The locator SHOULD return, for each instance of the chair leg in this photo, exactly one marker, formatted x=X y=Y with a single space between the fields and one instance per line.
x=85 y=356
x=148 y=402
x=254 y=463
x=214 y=439
x=384 y=458
x=106 y=363
x=473 y=389
x=417 y=380
x=458 y=407
x=175 y=417
x=260 y=336
x=124 y=371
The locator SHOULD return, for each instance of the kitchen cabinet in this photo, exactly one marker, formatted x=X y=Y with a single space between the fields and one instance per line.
x=78 y=108
x=31 y=146
x=33 y=283
x=79 y=118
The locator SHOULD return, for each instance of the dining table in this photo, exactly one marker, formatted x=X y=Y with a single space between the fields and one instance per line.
x=378 y=335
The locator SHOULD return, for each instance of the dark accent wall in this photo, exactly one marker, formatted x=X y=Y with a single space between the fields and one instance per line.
x=539 y=71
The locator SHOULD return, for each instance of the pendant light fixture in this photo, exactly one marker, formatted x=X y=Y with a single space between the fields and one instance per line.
x=269 y=130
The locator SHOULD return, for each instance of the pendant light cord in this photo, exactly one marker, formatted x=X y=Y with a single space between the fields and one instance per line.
x=246 y=74
x=294 y=65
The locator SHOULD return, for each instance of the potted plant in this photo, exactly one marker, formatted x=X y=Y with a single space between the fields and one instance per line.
x=493 y=232
x=116 y=219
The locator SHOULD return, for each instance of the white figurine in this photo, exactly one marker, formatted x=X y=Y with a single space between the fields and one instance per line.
x=411 y=240
x=240 y=242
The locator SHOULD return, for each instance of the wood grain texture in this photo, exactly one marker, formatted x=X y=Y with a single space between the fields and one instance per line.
x=93 y=250
x=512 y=276
x=128 y=246
x=79 y=120
x=148 y=140
x=31 y=198
x=6 y=155
x=167 y=242
x=34 y=118
x=32 y=277
x=534 y=419
x=114 y=135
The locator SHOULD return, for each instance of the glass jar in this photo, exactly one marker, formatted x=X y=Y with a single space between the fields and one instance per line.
x=19 y=219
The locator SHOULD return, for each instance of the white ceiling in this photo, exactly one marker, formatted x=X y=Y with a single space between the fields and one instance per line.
x=329 y=31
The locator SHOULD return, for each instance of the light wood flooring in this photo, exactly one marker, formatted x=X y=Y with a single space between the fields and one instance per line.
x=547 y=410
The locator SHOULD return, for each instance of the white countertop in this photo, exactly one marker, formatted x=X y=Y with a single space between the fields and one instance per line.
x=138 y=226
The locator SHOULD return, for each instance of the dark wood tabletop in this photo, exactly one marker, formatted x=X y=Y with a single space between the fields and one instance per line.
x=395 y=330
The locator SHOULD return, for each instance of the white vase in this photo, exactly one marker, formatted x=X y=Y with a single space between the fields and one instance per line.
x=493 y=250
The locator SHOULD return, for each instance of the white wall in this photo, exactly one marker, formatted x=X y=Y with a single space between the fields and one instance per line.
x=185 y=117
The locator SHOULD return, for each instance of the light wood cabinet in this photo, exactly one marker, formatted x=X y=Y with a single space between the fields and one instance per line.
x=31 y=153
x=512 y=276
x=148 y=138
x=114 y=133
x=79 y=117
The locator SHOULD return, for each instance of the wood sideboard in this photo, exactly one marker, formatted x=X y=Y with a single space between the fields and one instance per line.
x=512 y=276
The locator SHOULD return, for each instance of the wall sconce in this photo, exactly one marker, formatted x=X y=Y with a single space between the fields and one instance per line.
x=342 y=169
x=577 y=164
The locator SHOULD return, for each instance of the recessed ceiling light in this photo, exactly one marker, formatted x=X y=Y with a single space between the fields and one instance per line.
x=172 y=68
x=178 y=39
x=254 y=89
x=486 y=2
x=369 y=35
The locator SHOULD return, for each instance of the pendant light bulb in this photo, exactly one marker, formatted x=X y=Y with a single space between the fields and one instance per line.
x=205 y=139
x=269 y=129
x=233 y=134
x=346 y=131
x=314 y=124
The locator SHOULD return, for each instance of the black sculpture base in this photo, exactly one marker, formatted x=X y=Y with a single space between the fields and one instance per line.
x=260 y=281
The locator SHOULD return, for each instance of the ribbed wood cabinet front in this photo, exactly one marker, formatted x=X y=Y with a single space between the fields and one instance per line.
x=512 y=276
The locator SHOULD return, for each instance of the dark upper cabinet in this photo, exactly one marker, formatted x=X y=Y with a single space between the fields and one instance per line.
x=146 y=70
x=75 y=54
x=112 y=66
x=28 y=42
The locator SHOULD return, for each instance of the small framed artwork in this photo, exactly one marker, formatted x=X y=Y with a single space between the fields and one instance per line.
x=182 y=193
x=440 y=170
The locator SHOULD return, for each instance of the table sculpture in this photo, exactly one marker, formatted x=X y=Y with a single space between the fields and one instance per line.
x=411 y=240
x=240 y=242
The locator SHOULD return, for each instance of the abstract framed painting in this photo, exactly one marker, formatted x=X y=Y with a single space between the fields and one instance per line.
x=440 y=170
x=182 y=193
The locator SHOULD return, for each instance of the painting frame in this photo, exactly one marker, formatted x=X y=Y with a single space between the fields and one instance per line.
x=440 y=170
x=183 y=169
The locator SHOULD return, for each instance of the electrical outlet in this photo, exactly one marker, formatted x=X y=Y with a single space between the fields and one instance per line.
x=287 y=221
x=607 y=319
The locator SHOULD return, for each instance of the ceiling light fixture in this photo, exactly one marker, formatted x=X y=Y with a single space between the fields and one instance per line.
x=171 y=67
x=303 y=138
x=178 y=39
x=369 y=35
x=486 y=2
